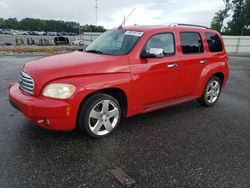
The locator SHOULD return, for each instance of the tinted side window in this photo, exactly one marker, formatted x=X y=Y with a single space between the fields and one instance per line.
x=164 y=41
x=214 y=42
x=191 y=43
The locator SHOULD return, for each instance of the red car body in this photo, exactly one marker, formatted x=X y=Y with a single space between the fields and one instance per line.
x=144 y=84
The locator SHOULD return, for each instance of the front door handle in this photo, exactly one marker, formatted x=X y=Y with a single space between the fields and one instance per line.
x=172 y=65
x=203 y=61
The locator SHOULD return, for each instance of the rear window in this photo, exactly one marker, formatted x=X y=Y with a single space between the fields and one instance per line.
x=191 y=43
x=214 y=42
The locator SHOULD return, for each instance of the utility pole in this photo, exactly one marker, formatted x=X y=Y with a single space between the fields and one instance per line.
x=96 y=8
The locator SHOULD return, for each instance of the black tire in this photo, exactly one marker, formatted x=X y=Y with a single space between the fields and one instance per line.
x=203 y=100
x=83 y=120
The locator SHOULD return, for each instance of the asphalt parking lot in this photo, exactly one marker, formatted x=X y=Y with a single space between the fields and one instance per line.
x=182 y=146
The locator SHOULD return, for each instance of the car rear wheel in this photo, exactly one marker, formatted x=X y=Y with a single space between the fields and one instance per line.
x=99 y=115
x=211 y=93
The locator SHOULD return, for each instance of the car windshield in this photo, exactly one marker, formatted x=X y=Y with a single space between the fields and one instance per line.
x=114 y=42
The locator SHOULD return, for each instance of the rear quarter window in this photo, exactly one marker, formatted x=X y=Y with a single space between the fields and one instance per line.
x=214 y=42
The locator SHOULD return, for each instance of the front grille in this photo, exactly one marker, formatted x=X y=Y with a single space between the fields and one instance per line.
x=26 y=83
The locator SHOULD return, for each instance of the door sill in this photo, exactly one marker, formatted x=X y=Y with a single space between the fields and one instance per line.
x=169 y=103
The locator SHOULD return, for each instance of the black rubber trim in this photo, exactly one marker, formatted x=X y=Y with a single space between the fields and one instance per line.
x=162 y=105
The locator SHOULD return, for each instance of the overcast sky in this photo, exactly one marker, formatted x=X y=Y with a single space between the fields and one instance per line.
x=111 y=12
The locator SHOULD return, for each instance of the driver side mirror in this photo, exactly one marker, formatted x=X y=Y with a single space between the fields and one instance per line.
x=153 y=53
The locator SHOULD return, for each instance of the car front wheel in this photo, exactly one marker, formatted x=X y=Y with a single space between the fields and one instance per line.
x=99 y=115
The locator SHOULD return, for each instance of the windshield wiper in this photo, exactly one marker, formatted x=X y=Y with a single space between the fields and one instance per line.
x=95 y=51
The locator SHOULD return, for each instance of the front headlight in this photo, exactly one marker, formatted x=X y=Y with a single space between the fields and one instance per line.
x=59 y=91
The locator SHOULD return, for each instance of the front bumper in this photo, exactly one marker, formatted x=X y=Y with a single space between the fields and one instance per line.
x=45 y=112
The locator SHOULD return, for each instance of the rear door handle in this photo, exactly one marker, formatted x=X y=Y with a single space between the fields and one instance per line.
x=172 y=65
x=203 y=61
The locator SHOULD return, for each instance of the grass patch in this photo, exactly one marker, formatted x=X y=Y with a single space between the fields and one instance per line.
x=38 y=49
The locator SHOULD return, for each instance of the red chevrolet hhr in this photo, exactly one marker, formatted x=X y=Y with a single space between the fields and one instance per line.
x=126 y=71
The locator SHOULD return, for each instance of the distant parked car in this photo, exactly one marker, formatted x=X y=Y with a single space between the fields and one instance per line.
x=41 y=33
x=61 y=41
x=36 y=33
x=71 y=34
x=52 y=33
x=14 y=32
x=62 y=34
x=5 y=31
x=24 y=33
x=33 y=33
x=78 y=41
x=7 y=44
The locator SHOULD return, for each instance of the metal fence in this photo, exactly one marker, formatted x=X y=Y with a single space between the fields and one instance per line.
x=88 y=37
x=233 y=44
x=12 y=39
x=237 y=44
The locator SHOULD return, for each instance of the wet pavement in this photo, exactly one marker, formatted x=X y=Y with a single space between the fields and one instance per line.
x=182 y=146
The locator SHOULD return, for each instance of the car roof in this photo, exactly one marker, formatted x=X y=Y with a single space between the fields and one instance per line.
x=159 y=28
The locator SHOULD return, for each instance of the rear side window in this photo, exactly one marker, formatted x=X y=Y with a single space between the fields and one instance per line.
x=214 y=42
x=191 y=43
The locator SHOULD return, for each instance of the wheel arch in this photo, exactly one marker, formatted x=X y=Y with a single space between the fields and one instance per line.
x=218 y=74
x=221 y=76
x=117 y=93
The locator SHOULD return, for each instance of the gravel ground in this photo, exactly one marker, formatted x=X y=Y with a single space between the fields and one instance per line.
x=183 y=146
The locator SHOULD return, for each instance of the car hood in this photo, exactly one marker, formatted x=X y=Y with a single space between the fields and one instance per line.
x=75 y=63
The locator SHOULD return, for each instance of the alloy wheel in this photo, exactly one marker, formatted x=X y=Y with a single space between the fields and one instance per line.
x=103 y=117
x=213 y=91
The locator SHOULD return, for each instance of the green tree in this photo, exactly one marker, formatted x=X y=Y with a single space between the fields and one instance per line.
x=30 y=24
x=92 y=28
x=237 y=24
x=27 y=24
x=246 y=18
x=2 y=23
x=12 y=23
x=220 y=16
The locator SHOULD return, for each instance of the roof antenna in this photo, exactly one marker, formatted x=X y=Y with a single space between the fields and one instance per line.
x=120 y=27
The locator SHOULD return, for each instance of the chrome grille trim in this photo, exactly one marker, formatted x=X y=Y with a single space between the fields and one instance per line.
x=26 y=83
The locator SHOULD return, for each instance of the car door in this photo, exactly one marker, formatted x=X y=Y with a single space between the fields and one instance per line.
x=193 y=60
x=160 y=80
